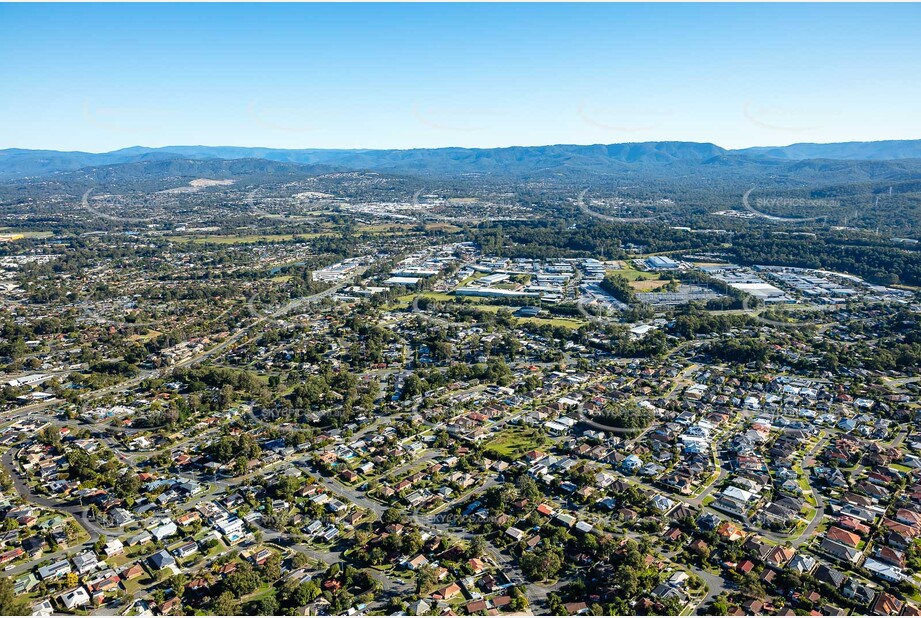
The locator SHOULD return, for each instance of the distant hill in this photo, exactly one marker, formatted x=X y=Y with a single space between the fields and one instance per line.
x=867 y=151
x=665 y=158
x=512 y=161
x=163 y=173
x=17 y=163
x=181 y=168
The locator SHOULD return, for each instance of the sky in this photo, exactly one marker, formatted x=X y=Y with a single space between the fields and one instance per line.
x=99 y=77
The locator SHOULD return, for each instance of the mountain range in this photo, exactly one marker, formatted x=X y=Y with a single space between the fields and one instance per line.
x=518 y=161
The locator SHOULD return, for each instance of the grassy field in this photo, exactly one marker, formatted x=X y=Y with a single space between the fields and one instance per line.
x=442 y=227
x=151 y=334
x=472 y=277
x=483 y=305
x=19 y=234
x=439 y=296
x=633 y=274
x=259 y=594
x=132 y=586
x=388 y=229
x=406 y=227
x=242 y=239
x=403 y=302
x=515 y=442
x=564 y=322
x=647 y=285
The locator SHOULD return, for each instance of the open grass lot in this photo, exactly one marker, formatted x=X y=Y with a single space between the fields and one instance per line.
x=121 y=559
x=132 y=586
x=403 y=302
x=19 y=234
x=633 y=274
x=387 y=229
x=406 y=300
x=151 y=334
x=399 y=305
x=259 y=594
x=248 y=239
x=564 y=322
x=241 y=240
x=515 y=442
x=472 y=277
x=647 y=285
x=384 y=227
x=442 y=227
x=439 y=296
x=402 y=228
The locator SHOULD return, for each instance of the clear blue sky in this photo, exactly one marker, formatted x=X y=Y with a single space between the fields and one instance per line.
x=105 y=76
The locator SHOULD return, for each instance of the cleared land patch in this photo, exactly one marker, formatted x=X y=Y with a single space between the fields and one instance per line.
x=631 y=274
x=513 y=443
x=648 y=285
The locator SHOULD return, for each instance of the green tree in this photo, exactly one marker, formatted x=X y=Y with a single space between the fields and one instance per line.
x=425 y=579
x=477 y=547
x=271 y=569
x=720 y=606
x=543 y=565
x=10 y=603
x=226 y=604
x=392 y=516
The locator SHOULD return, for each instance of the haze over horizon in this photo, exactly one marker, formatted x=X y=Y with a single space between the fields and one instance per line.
x=98 y=78
x=283 y=148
